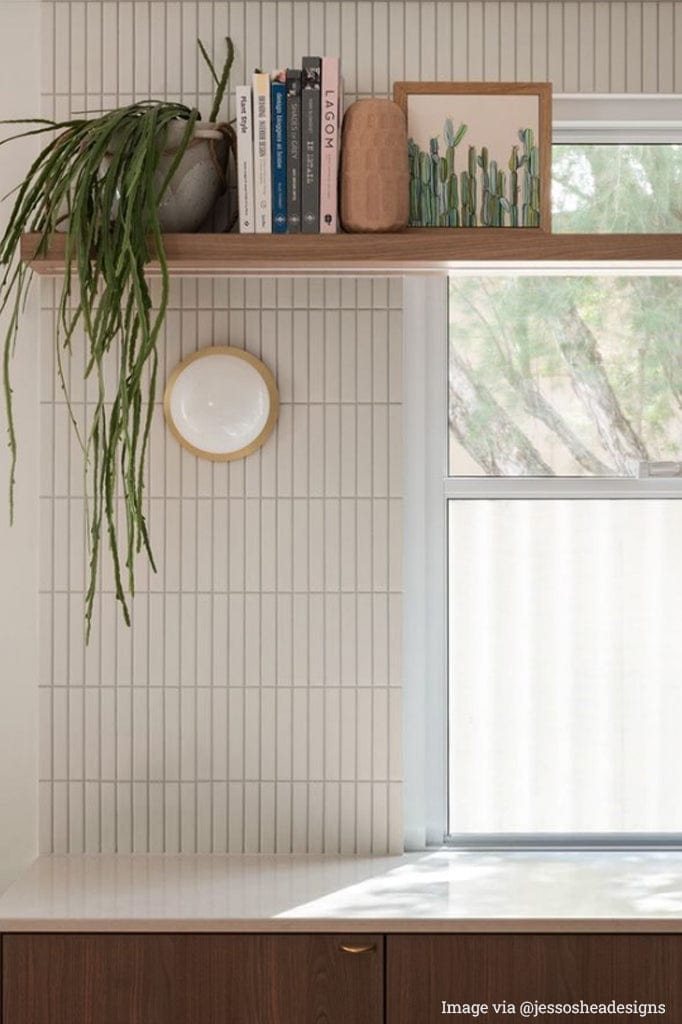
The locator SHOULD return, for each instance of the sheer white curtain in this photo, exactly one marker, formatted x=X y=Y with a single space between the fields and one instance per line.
x=565 y=655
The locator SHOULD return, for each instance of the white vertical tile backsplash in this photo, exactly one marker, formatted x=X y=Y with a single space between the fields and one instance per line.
x=255 y=704
x=216 y=722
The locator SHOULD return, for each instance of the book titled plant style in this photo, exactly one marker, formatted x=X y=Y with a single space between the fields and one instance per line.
x=245 y=160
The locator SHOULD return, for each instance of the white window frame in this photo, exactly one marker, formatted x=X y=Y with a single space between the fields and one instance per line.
x=427 y=487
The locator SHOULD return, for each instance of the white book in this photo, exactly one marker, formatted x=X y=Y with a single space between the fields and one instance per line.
x=247 y=224
x=262 y=164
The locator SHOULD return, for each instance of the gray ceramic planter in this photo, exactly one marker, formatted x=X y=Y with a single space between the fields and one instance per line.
x=199 y=180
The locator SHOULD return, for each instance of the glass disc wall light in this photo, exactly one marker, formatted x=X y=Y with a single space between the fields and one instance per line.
x=221 y=403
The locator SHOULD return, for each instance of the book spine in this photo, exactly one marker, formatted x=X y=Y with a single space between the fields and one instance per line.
x=245 y=159
x=279 y=157
x=261 y=145
x=293 y=86
x=329 y=145
x=310 y=144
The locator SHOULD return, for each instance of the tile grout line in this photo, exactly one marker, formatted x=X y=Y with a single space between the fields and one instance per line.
x=356 y=652
x=389 y=562
x=195 y=613
x=340 y=516
x=308 y=557
x=292 y=321
x=259 y=456
x=53 y=390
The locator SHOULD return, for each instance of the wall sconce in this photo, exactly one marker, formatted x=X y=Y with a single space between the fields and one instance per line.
x=221 y=403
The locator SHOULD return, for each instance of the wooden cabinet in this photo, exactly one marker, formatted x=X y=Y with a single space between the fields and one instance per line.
x=192 y=979
x=424 y=972
x=336 y=979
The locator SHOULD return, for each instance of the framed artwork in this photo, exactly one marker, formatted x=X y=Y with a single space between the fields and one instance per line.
x=479 y=153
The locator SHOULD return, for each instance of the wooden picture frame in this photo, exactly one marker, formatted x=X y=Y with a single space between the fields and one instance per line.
x=524 y=201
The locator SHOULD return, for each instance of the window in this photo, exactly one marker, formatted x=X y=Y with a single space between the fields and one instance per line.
x=552 y=499
x=564 y=376
x=565 y=654
x=617 y=187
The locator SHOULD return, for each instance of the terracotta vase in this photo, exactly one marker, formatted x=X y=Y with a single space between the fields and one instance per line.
x=375 y=176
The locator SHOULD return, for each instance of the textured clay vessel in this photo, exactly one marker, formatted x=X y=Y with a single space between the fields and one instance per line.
x=375 y=177
x=199 y=178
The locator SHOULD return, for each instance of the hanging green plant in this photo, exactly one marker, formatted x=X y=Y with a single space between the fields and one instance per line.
x=109 y=180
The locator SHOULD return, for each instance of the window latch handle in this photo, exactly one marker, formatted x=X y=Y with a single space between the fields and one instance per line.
x=649 y=469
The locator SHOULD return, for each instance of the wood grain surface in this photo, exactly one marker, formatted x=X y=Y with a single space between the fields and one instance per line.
x=425 y=970
x=415 y=250
x=191 y=979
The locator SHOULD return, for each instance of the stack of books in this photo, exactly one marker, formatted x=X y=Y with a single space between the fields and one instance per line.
x=288 y=135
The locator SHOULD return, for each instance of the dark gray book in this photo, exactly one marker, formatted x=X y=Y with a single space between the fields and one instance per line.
x=293 y=82
x=310 y=144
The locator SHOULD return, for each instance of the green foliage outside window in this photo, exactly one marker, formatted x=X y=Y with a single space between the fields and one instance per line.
x=575 y=375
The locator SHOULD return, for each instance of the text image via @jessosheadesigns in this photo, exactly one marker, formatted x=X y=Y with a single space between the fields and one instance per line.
x=532 y=1009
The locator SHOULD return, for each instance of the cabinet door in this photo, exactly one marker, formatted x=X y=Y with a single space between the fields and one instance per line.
x=192 y=979
x=440 y=977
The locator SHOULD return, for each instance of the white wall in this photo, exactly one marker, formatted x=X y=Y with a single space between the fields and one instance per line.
x=20 y=96
x=151 y=743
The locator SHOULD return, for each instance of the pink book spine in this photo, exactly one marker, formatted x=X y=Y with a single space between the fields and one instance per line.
x=329 y=146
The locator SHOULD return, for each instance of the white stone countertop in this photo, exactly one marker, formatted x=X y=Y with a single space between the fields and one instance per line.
x=442 y=890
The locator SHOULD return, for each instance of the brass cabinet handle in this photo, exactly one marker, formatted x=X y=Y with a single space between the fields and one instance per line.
x=358 y=949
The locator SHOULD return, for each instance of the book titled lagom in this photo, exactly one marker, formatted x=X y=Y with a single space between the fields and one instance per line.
x=329 y=145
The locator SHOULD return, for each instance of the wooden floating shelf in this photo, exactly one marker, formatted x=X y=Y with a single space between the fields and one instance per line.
x=414 y=251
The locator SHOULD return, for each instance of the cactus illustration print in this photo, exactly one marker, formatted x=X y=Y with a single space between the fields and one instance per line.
x=476 y=159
